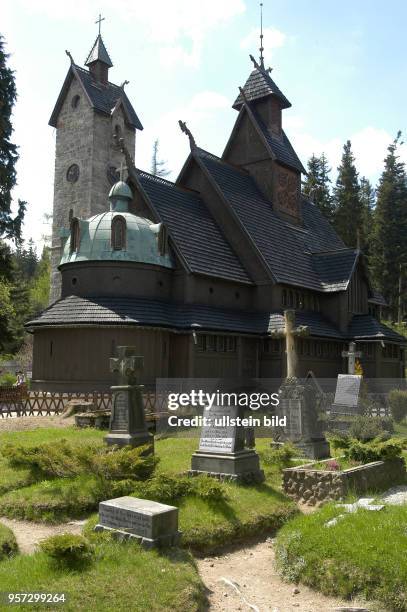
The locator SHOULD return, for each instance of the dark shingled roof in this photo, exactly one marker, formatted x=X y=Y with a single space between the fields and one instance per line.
x=366 y=327
x=281 y=147
x=98 y=53
x=259 y=85
x=193 y=229
x=74 y=310
x=378 y=299
x=335 y=268
x=286 y=249
x=103 y=97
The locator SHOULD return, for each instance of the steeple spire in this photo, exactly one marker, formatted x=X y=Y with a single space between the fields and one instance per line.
x=98 y=59
x=261 y=49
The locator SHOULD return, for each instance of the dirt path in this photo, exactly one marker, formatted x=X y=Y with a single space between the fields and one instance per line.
x=246 y=580
x=29 y=423
x=29 y=534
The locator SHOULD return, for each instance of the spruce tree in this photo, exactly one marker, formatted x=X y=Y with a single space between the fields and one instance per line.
x=367 y=197
x=317 y=184
x=10 y=226
x=158 y=165
x=348 y=217
x=389 y=234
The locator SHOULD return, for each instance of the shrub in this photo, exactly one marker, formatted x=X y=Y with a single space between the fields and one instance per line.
x=365 y=428
x=281 y=456
x=68 y=550
x=166 y=489
x=339 y=441
x=376 y=450
x=7 y=380
x=8 y=542
x=398 y=404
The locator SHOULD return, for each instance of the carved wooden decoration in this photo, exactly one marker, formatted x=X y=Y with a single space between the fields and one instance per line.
x=287 y=192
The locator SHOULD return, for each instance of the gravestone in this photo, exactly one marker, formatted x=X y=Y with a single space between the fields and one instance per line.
x=222 y=451
x=300 y=403
x=127 y=422
x=151 y=523
x=347 y=395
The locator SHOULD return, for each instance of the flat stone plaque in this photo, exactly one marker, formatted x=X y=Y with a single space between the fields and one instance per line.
x=218 y=436
x=347 y=390
x=292 y=409
x=149 y=521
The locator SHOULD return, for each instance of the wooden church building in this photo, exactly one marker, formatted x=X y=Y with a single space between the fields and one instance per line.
x=195 y=273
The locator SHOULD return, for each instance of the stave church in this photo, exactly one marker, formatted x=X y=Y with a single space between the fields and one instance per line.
x=198 y=274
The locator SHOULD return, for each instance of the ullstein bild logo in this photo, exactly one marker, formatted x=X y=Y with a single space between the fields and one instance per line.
x=227 y=421
x=202 y=399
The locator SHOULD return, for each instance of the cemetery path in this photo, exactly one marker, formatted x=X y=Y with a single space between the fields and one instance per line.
x=29 y=534
x=246 y=579
x=27 y=423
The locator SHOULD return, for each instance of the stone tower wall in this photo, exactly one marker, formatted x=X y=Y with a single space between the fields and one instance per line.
x=83 y=137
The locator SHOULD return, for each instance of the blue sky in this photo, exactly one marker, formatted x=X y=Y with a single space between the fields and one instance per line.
x=342 y=66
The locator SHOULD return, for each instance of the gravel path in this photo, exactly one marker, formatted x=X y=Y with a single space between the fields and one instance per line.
x=27 y=423
x=245 y=579
x=28 y=534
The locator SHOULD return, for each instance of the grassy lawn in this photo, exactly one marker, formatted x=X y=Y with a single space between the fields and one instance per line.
x=123 y=577
x=365 y=553
x=206 y=525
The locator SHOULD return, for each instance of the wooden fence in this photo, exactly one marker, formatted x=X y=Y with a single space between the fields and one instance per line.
x=19 y=401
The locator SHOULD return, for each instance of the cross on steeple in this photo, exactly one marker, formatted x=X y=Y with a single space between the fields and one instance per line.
x=99 y=21
x=261 y=49
x=351 y=354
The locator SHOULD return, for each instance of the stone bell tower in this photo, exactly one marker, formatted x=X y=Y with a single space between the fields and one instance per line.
x=90 y=115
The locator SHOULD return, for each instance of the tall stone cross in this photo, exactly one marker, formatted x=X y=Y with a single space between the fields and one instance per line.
x=127 y=364
x=351 y=355
x=290 y=333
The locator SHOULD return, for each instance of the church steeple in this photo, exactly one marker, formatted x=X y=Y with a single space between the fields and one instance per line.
x=98 y=59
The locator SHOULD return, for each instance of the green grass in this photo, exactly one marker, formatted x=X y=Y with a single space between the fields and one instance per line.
x=8 y=542
x=44 y=435
x=123 y=577
x=206 y=525
x=365 y=553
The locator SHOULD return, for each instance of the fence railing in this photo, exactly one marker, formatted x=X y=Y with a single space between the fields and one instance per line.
x=19 y=401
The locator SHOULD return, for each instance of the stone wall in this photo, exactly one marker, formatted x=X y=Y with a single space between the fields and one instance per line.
x=312 y=486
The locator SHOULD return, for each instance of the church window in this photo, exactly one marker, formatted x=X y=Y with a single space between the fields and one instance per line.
x=74 y=280
x=70 y=216
x=117 y=130
x=231 y=344
x=75 y=101
x=211 y=343
x=284 y=299
x=51 y=346
x=319 y=349
x=221 y=344
x=290 y=299
x=210 y=289
x=201 y=344
x=75 y=235
x=118 y=237
x=72 y=174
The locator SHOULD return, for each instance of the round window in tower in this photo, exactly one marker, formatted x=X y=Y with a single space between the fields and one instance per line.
x=75 y=101
x=72 y=173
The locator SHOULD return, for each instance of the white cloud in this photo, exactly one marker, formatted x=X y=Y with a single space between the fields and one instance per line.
x=273 y=39
x=204 y=113
x=369 y=146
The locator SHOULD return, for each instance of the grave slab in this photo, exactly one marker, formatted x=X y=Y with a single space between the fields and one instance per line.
x=151 y=523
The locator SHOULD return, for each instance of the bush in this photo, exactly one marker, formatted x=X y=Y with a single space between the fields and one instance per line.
x=7 y=380
x=68 y=550
x=8 y=542
x=167 y=489
x=398 y=404
x=281 y=456
x=365 y=428
x=376 y=450
x=62 y=459
x=339 y=441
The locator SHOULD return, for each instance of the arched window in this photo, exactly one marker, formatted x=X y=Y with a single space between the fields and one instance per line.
x=162 y=239
x=118 y=234
x=75 y=234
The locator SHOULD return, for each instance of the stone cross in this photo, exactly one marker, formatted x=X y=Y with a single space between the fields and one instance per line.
x=290 y=333
x=351 y=355
x=127 y=364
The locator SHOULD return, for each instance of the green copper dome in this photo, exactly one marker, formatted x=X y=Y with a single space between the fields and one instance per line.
x=138 y=239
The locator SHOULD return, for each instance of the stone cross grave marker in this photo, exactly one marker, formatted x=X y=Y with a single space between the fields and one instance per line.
x=127 y=422
x=153 y=524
